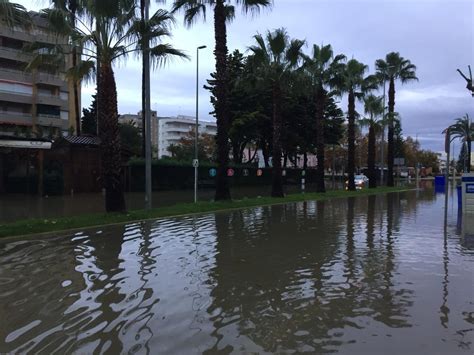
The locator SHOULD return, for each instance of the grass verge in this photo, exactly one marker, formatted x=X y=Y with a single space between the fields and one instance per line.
x=39 y=225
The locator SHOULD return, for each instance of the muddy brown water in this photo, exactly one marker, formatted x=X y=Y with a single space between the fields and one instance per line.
x=371 y=275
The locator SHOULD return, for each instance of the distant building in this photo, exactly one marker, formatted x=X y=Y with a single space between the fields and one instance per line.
x=137 y=121
x=41 y=101
x=172 y=129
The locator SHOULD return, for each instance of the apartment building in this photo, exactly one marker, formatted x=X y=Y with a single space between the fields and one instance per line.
x=172 y=129
x=137 y=121
x=37 y=102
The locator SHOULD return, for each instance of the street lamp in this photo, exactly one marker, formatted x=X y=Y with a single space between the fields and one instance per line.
x=196 y=132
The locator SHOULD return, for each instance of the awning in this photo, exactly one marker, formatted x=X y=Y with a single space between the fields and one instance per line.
x=25 y=144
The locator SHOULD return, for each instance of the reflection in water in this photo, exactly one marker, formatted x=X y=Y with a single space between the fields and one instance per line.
x=358 y=275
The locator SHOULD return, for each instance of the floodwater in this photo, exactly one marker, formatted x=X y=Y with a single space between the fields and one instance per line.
x=384 y=274
x=22 y=206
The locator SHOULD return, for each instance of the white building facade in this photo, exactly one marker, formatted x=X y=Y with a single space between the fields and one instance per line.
x=172 y=129
x=137 y=120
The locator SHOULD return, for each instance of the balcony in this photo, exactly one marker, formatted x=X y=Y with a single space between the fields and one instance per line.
x=51 y=79
x=15 y=75
x=18 y=97
x=27 y=77
x=52 y=120
x=17 y=118
x=14 y=54
x=53 y=100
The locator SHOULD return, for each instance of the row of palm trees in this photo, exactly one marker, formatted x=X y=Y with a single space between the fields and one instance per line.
x=107 y=31
x=277 y=56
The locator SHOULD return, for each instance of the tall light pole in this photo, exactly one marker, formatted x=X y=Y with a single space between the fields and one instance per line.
x=196 y=131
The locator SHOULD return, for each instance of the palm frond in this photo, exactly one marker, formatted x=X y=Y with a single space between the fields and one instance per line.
x=14 y=15
x=164 y=52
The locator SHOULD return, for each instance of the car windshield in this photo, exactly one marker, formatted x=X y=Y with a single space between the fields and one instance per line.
x=360 y=177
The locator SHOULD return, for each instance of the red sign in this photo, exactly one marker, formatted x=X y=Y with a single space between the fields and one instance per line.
x=230 y=172
x=259 y=172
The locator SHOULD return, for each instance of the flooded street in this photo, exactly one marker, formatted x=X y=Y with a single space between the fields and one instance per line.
x=370 y=275
x=22 y=206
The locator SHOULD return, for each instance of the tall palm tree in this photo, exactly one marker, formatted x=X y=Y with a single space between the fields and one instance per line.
x=224 y=11
x=393 y=68
x=353 y=82
x=148 y=31
x=113 y=35
x=373 y=107
x=463 y=129
x=276 y=56
x=322 y=68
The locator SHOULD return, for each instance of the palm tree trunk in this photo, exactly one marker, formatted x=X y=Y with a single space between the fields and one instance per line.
x=371 y=158
x=277 y=181
x=351 y=142
x=76 y=81
x=222 y=109
x=320 y=102
x=110 y=140
x=390 y=140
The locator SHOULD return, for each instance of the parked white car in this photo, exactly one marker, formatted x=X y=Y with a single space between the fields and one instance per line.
x=361 y=181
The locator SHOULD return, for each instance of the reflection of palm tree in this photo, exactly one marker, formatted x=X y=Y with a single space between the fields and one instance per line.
x=350 y=247
x=371 y=222
x=104 y=285
x=267 y=280
x=444 y=309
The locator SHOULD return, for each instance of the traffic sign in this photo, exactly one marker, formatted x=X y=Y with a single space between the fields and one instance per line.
x=212 y=172
x=195 y=163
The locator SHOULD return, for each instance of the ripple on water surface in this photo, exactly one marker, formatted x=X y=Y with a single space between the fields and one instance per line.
x=362 y=275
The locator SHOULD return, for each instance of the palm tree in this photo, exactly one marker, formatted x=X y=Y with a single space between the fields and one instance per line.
x=114 y=35
x=373 y=107
x=323 y=68
x=353 y=82
x=148 y=30
x=275 y=57
x=468 y=79
x=14 y=14
x=464 y=130
x=223 y=12
x=394 y=67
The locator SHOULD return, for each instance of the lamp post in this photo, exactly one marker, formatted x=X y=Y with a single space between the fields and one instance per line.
x=196 y=131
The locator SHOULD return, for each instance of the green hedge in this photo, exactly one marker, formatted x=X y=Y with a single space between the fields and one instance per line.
x=173 y=177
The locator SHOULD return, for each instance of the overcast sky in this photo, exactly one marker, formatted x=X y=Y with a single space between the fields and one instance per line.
x=436 y=35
